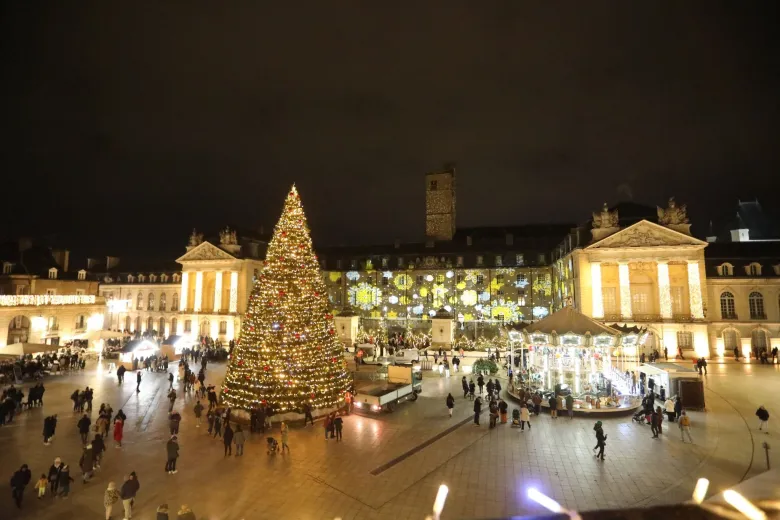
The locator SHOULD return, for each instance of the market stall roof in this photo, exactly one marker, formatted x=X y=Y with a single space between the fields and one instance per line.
x=19 y=349
x=568 y=320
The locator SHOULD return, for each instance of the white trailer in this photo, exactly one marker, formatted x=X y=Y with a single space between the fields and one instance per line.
x=403 y=383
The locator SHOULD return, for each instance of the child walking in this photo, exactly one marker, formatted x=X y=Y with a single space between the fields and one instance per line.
x=40 y=485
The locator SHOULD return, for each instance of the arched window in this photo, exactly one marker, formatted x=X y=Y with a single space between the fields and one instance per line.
x=139 y=302
x=174 y=326
x=727 y=309
x=725 y=269
x=161 y=327
x=730 y=339
x=163 y=299
x=149 y=324
x=137 y=324
x=758 y=339
x=756 y=303
x=53 y=324
x=127 y=323
x=223 y=327
x=175 y=302
x=150 y=306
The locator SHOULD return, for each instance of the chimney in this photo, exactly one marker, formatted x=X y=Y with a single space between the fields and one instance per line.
x=112 y=261
x=62 y=257
x=92 y=263
x=397 y=243
x=740 y=235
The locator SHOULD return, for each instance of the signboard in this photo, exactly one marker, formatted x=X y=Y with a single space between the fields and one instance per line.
x=35 y=300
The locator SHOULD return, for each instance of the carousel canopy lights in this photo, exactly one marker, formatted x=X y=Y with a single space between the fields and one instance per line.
x=36 y=300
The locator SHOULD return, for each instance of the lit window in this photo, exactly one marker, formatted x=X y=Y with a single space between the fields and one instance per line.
x=459 y=261
x=480 y=279
x=727 y=308
x=609 y=297
x=439 y=278
x=51 y=292
x=519 y=259
x=754 y=269
x=152 y=278
x=82 y=275
x=175 y=302
x=150 y=305
x=80 y=292
x=499 y=278
x=684 y=340
x=479 y=259
x=730 y=339
x=141 y=278
x=725 y=270
x=163 y=301
x=164 y=278
x=384 y=261
x=139 y=302
x=499 y=260
x=756 y=304
x=7 y=267
x=223 y=327
x=677 y=300
x=187 y=325
x=53 y=273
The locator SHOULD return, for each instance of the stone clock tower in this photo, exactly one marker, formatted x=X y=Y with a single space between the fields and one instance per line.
x=440 y=204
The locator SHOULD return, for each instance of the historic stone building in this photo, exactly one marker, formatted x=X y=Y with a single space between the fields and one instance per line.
x=43 y=299
x=204 y=295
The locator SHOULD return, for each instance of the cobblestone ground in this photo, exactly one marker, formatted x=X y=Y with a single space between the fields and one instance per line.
x=487 y=471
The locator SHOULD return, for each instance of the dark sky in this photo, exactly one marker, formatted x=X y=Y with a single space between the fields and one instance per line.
x=125 y=126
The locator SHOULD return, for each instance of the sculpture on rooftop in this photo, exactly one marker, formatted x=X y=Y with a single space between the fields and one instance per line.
x=196 y=238
x=227 y=237
x=605 y=219
x=673 y=215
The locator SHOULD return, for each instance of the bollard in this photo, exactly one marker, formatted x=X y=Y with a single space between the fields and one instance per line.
x=766 y=449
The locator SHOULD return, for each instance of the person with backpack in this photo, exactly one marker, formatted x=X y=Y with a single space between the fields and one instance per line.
x=684 y=422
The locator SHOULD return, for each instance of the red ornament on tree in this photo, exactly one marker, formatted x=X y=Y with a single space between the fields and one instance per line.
x=331 y=332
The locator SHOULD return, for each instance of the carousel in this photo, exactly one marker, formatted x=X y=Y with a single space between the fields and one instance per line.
x=568 y=353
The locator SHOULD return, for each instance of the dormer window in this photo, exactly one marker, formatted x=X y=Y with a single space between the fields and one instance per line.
x=725 y=269
x=141 y=278
x=164 y=278
x=499 y=261
x=53 y=273
x=754 y=269
x=82 y=275
x=152 y=278
x=519 y=260
x=468 y=240
x=480 y=260
x=777 y=269
x=176 y=278
x=7 y=267
x=130 y=278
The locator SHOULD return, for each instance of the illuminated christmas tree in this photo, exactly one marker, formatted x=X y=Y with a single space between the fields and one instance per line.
x=288 y=352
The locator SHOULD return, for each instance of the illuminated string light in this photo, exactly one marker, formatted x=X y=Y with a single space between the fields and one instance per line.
x=664 y=290
x=625 y=290
x=694 y=288
x=595 y=283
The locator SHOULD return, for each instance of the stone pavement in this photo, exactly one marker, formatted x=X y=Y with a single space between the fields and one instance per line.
x=379 y=470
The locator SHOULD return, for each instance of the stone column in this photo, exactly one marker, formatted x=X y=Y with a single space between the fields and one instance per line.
x=233 y=291
x=595 y=282
x=625 y=290
x=185 y=289
x=218 y=292
x=694 y=290
x=664 y=290
x=198 y=303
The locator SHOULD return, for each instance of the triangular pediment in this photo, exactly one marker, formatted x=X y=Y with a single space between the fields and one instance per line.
x=205 y=251
x=647 y=234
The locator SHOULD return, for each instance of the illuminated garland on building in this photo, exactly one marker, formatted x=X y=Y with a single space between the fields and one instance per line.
x=288 y=353
x=35 y=300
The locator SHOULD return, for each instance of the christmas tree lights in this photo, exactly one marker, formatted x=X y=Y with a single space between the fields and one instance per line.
x=288 y=353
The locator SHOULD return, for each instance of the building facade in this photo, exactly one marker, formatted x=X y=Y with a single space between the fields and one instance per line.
x=205 y=294
x=42 y=300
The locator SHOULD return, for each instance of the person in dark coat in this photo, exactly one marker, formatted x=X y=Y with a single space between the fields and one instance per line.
x=54 y=475
x=172 y=449
x=553 y=403
x=129 y=490
x=138 y=381
x=87 y=463
x=227 y=438
x=217 y=425
x=120 y=374
x=98 y=447
x=601 y=440
x=465 y=386
x=64 y=481
x=307 y=414
x=480 y=383
x=477 y=410
x=19 y=481
x=654 y=423
x=49 y=425
x=450 y=403
x=83 y=425
x=490 y=386
x=472 y=389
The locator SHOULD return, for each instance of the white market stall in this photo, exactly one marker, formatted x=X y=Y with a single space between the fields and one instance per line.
x=23 y=349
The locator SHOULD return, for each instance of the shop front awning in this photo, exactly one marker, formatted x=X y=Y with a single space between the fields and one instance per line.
x=22 y=349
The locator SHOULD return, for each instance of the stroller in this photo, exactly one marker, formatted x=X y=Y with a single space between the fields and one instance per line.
x=515 y=418
x=273 y=445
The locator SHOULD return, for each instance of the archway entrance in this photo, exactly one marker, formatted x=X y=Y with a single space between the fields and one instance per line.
x=205 y=328
x=18 y=330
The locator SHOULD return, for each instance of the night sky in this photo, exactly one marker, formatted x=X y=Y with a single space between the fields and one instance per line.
x=125 y=126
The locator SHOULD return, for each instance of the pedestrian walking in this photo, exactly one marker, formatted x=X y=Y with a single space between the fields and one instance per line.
x=170 y=381
x=64 y=481
x=138 y=381
x=601 y=440
x=174 y=419
x=502 y=410
x=239 y=437
x=118 y=432
x=570 y=405
x=307 y=414
x=19 y=481
x=553 y=404
x=666 y=354
x=210 y=419
x=110 y=497
x=41 y=485
x=54 y=476
x=227 y=439
x=49 y=425
x=171 y=398
x=450 y=402
x=685 y=427
x=285 y=436
x=472 y=389
x=465 y=386
x=198 y=412
x=763 y=417
x=128 y=492
x=98 y=447
x=326 y=425
x=87 y=463
x=480 y=383
x=83 y=426
x=172 y=450
x=669 y=406
x=217 y=425
x=477 y=410
x=525 y=417
x=338 y=422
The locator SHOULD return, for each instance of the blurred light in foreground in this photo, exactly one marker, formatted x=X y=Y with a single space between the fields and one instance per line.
x=743 y=505
x=701 y=490
x=544 y=501
x=441 y=497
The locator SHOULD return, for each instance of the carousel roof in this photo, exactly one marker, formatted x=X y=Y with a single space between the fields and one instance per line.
x=569 y=321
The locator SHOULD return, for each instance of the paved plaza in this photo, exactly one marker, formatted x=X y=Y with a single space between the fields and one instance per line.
x=380 y=471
